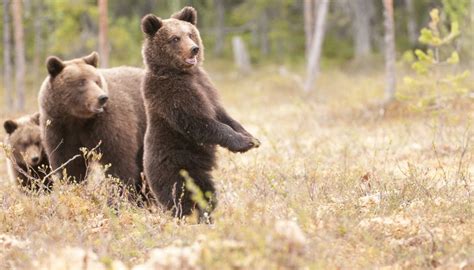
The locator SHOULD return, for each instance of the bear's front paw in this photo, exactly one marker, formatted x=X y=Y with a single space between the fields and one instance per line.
x=256 y=142
x=243 y=144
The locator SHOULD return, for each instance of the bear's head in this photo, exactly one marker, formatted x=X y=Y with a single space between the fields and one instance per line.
x=76 y=87
x=24 y=136
x=172 y=43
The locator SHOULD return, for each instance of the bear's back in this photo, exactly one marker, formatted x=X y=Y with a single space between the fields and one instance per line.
x=125 y=81
x=124 y=90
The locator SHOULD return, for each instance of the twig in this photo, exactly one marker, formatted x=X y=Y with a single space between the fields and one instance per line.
x=57 y=146
x=86 y=157
x=62 y=166
x=439 y=163
x=464 y=150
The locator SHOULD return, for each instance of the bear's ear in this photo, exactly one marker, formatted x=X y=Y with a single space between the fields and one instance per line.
x=92 y=59
x=54 y=65
x=35 y=118
x=187 y=14
x=151 y=24
x=10 y=126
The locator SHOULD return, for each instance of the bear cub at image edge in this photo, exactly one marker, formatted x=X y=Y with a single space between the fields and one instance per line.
x=28 y=164
x=185 y=119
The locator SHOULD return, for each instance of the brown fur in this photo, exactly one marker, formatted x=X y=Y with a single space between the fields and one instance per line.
x=28 y=164
x=72 y=116
x=185 y=119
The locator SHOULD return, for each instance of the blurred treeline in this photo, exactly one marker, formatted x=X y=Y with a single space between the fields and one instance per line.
x=273 y=30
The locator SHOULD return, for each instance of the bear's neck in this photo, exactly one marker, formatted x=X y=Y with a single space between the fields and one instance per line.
x=163 y=71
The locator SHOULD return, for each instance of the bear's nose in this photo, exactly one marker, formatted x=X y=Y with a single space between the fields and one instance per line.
x=103 y=99
x=195 y=50
x=35 y=160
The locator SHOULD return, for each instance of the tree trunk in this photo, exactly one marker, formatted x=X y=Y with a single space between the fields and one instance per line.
x=19 y=53
x=241 y=56
x=316 y=45
x=220 y=27
x=361 y=27
x=411 y=22
x=7 y=64
x=103 y=31
x=263 y=29
x=471 y=34
x=308 y=9
x=390 y=86
x=38 y=39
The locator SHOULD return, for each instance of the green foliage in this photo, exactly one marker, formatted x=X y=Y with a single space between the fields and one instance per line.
x=125 y=38
x=439 y=78
x=432 y=36
x=457 y=10
x=276 y=23
x=333 y=48
x=197 y=195
x=272 y=30
x=73 y=32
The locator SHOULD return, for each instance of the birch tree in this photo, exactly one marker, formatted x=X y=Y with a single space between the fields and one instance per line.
x=411 y=22
x=220 y=26
x=390 y=86
x=20 y=72
x=7 y=65
x=363 y=12
x=316 y=45
x=263 y=30
x=241 y=56
x=38 y=38
x=103 y=34
x=309 y=9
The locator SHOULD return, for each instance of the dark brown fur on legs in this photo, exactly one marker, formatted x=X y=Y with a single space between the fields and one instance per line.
x=28 y=165
x=185 y=118
x=82 y=106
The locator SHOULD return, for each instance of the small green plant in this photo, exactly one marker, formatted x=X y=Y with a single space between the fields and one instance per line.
x=439 y=77
x=197 y=195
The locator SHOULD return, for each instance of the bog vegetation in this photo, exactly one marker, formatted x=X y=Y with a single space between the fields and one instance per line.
x=341 y=180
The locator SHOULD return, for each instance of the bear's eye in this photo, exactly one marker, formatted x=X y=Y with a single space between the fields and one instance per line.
x=190 y=35
x=98 y=83
x=175 y=39
x=82 y=82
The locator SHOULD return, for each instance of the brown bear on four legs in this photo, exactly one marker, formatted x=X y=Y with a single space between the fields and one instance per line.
x=28 y=164
x=82 y=106
x=185 y=119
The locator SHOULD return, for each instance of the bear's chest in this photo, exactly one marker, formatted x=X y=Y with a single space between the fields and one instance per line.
x=82 y=134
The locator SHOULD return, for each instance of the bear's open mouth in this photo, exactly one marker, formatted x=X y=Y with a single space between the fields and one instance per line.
x=98 y=109
x=191 y=61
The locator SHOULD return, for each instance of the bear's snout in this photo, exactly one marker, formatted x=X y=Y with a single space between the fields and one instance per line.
x=35 y=160
x=32 y=155
x=102 y=99
x=195 y=50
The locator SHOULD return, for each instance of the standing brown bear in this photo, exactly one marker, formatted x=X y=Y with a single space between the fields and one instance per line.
x=28 y=164
x=185 y=119
x=82 y=105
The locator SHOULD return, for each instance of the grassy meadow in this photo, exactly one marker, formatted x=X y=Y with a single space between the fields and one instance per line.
x=338 y=183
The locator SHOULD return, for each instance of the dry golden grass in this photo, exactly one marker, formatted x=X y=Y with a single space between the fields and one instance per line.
x=332 y=186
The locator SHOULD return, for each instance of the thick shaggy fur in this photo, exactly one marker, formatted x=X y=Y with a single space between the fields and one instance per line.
x=28 y=165
x=73 y=116
x=185 y=120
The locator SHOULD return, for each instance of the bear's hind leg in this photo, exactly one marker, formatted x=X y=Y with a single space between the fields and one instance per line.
x=201 y=192
x=183 y=191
